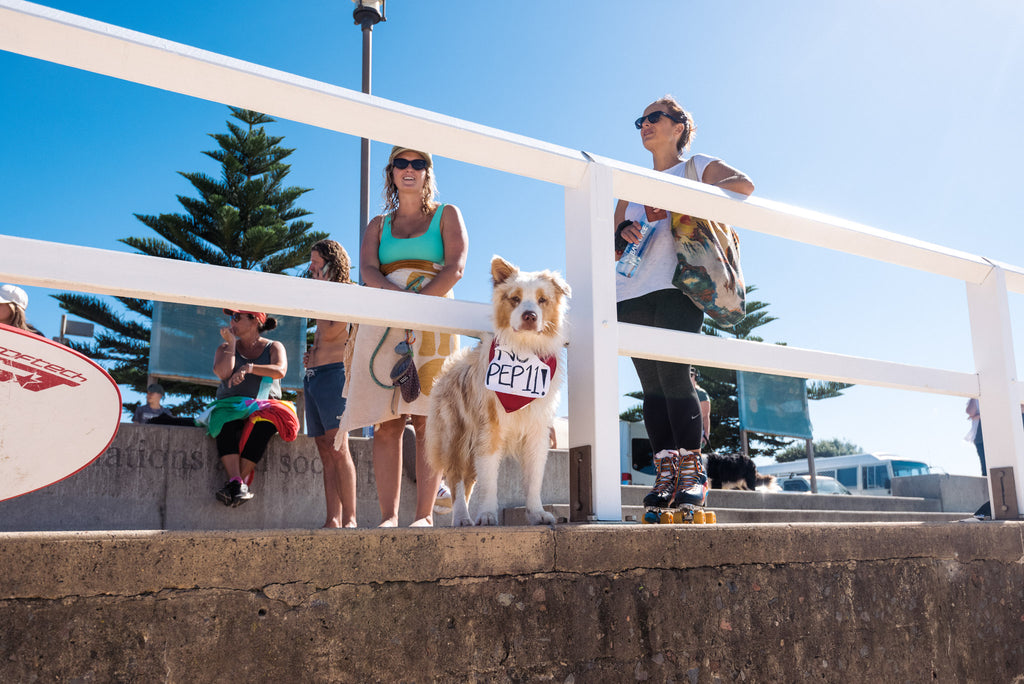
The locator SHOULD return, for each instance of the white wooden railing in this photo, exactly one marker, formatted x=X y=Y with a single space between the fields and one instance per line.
x=590 y=184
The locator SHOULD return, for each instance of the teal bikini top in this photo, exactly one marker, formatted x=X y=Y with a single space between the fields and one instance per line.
x=428 y=247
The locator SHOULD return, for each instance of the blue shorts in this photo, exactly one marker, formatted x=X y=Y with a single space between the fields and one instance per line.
x=324 y=403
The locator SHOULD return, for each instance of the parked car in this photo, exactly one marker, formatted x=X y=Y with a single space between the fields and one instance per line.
x=802 y=484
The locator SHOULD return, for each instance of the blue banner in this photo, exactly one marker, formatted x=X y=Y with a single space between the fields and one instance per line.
x=773 y=404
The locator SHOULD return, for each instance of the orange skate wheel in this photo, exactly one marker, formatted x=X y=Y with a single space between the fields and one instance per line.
x=698 y=517
x=710 y=518
x=666 y=518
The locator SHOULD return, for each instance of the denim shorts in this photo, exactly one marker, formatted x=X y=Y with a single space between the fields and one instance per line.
x=324 y=404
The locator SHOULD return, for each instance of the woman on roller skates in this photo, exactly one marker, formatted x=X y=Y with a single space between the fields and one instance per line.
x=671 y=409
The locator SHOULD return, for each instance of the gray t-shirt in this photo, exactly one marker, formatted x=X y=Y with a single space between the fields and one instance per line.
x=144 y=413
x=251 y=385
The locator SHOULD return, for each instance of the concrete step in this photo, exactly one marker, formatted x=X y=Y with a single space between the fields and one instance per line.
x=634 y=514
x=633 y=495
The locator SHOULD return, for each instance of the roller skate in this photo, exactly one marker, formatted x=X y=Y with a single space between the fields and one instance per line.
x=691 y=491
x=658 y=500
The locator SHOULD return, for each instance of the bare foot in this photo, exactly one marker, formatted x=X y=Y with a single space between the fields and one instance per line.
x=334 y=525
x=422 y=522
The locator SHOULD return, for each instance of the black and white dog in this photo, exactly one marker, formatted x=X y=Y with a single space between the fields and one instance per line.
x=736 y=471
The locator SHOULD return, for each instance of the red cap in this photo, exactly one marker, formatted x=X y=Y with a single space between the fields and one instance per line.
x=258 y=315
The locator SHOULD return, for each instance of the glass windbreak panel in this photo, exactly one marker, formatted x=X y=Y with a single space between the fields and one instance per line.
x=184 y=338
x=773 y=404
x=908 y=468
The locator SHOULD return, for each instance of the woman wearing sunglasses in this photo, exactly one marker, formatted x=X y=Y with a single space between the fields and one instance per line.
x=416 y=245
x=248 y=410
x=672 y=411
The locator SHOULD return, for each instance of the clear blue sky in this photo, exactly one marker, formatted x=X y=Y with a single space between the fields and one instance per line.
x=902 y=116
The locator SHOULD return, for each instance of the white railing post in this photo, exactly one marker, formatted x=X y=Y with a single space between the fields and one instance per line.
x=593 y=350
x=992 y=339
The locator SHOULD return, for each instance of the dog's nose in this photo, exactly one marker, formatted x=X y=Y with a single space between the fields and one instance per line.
x=529 y=317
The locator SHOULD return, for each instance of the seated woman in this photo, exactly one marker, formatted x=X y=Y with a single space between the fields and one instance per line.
x=248 y=410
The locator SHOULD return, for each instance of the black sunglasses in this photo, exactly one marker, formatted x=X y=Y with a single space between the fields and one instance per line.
x=238 y=316
x=655 y=117
x=417 y=164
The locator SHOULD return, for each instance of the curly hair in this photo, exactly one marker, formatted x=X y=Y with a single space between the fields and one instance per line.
x=337 y=261
x=428 y=201
x=676 y=110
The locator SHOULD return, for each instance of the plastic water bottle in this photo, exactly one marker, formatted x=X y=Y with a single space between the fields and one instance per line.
x=630 y=261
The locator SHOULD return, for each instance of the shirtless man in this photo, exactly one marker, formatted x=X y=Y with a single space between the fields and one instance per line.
x=325 y=379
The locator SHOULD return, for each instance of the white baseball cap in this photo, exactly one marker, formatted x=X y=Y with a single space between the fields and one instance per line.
x=12 y=294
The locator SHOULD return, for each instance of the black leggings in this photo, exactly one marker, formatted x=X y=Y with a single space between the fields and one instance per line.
x=231 y=434
x=671 y=408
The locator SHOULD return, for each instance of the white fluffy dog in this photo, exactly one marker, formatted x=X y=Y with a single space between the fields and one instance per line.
x=499 y=398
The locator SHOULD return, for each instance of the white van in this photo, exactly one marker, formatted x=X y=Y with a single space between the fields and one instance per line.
x=636 y=459
x=866 y=474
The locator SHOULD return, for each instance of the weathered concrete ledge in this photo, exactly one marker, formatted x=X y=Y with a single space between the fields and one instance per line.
x=601 y=603
x=157 y=477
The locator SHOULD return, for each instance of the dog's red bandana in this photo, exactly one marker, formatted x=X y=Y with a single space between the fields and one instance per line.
x=518 y=380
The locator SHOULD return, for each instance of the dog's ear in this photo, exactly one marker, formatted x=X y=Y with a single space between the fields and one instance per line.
x=560 y=284
x=501 y=270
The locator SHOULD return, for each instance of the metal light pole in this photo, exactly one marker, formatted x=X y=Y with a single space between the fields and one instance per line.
x=366 y=14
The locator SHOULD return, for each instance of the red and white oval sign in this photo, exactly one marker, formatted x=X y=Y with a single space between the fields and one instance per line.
x=58 y=412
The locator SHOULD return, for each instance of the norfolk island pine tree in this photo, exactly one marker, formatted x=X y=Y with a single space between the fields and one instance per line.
x=245 y=219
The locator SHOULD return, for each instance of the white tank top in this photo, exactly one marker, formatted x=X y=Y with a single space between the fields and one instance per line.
x=659 y=262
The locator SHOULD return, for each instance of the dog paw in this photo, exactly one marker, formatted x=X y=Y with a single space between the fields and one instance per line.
x=540 y=517
x=462 y=522
x=487 y=518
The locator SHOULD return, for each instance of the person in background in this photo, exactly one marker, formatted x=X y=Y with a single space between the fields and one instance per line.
x=974 y=434
x=152 y=408
x=323 y=386
x=13 y=303
x=416 y=245
x=671 y=408
x=705 y=408
x=248 y=410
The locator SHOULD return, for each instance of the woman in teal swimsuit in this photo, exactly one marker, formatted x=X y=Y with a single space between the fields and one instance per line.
x=416 y=245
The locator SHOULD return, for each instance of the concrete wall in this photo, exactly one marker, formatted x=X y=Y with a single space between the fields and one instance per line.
x=955 y=492
x=606 y=603
x=156 y=477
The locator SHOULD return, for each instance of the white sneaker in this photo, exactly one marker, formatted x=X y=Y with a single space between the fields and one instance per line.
x=443 y=502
